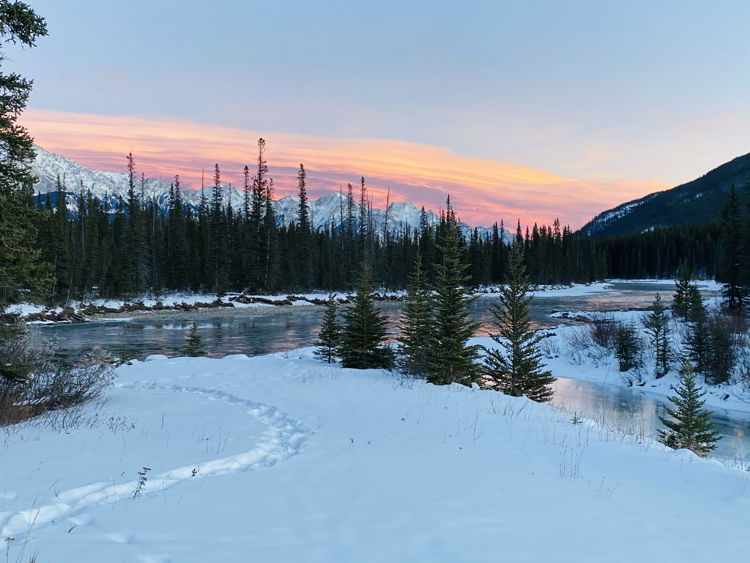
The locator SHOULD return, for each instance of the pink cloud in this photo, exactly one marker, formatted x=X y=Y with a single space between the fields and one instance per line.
x=484 y=191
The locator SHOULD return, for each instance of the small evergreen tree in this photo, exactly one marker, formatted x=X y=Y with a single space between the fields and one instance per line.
x=730 y=264
x=683 y=295
x=363 y=340
x=516 y=367
x=721 y=349
x=627 y=347
x=416 y=339
x=698 y=335
x=194 y=343
x=330 y=333
x=452 y=359
x=657 y=327
x=688 y=423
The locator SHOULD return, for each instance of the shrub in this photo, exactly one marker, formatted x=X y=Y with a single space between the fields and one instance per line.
x=604 y=332
x=39 y=383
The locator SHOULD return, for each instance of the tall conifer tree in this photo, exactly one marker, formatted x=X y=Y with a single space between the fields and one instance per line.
x=515 y=367
x=417 y=339
x=453 y=360
x=304 y=254
x=657 y=327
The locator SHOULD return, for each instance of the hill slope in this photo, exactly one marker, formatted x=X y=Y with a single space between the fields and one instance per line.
x=699 y=201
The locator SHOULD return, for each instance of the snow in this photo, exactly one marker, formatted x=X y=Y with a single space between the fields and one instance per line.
x=603 y=368
x=285 y=458
x=573 y=290
x=24 y=309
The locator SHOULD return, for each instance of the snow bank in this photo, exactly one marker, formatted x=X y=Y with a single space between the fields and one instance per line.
x=571 y=363
x=284 y=458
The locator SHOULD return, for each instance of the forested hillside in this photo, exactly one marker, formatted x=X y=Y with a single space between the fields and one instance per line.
x=695 y=203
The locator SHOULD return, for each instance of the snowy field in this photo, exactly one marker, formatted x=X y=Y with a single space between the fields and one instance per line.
x=283 y=458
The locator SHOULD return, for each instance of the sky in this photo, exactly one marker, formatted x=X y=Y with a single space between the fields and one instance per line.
x=530 y=110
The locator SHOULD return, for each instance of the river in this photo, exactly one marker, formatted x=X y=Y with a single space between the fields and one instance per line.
x=277 y=329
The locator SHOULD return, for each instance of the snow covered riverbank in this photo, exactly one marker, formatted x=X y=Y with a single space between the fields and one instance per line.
x=283 y=458
x=566 y=359
x=78 y=311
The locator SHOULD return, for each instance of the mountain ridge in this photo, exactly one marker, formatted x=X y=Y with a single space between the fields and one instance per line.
x=110 y=187
x=699 y=201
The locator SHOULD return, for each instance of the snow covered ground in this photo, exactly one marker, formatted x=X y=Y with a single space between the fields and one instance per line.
x=284 y=458
x=176 y=299
x=600 y=366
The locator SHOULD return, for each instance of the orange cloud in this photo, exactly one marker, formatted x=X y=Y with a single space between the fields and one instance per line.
x=483 y=191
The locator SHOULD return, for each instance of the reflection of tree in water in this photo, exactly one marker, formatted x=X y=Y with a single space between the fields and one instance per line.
x=636 y=412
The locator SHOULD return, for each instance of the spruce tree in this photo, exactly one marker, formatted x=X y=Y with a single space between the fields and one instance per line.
x=363 y=341
x=688 y=423
x=416 y=341
x=452 y=359
x=657 y=327
x=329 y=337
x=515 y=368
x=23 y=274
x=730 y=264
x=304 y=244
x=219 y=235
x=683 y=295
x=698 y=345
x=194 y=343
x=627 y=347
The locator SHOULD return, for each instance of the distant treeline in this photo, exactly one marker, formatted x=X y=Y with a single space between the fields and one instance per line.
x=217 y=248
x=718 y=250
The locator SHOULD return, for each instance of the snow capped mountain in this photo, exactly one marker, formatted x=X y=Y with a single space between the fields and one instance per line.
x=109 y=187
x=601 y=222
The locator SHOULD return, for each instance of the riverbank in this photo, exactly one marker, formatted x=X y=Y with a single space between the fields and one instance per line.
x=81 y=311
x=569 y=352
x=284 y=458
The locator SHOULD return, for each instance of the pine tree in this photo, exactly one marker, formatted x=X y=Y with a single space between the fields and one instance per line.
x=218 y=236
x=270 y=244
x=515 y=368
x=327 y=344
x=730 y=265
x=194 y=343
x=304 y=246
x=256 y=267
x=23 y=274
x=452 y=360
x=416 y=340
x=627 y=347
x=688 y=423
x=684 y=289
x=698 y=335
x=134 y=258
x=657 y=327
x=363 y=341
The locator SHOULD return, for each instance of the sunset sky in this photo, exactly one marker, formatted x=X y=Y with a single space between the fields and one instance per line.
x=520 y=109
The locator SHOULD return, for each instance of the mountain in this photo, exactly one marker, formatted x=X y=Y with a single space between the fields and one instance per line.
x=110 y=187
x=696 y=202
